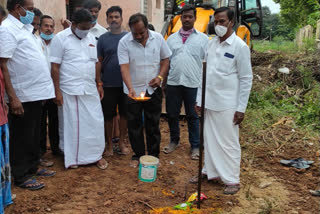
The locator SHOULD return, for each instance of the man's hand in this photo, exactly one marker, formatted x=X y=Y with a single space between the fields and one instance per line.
x=132 y=93
x=16 y=107
x=65 y=23
x=155 y=82
x=59 y=98
x=197 y=109
x=6 y=108
x=238 y=118
x=100 y=91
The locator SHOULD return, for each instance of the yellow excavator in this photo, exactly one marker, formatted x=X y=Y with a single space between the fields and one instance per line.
x=248 y=16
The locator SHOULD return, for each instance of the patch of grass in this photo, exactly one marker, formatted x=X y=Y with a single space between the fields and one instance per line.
x=276 y=45
x=269 y=104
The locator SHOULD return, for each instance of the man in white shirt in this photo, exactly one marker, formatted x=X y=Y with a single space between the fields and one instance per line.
x=144 y=61
x=78 y=90
x=28 y=82
x=49 y=108
x=188 y=48
x=94 y=7
x=228 y=85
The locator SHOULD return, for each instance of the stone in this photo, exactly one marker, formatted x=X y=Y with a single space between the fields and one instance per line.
x=229 y=203
x=264 y=185
x=48 y=209
x=107 y=203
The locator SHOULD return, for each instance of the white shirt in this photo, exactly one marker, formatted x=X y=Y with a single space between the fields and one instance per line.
x=229 y=75
x=77 y=59
x=97 y=31
x=29 y=73
x=186 y=59
x=144 y=61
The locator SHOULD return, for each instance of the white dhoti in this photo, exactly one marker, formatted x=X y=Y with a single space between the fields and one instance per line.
x=222 y=152
x=81 y=129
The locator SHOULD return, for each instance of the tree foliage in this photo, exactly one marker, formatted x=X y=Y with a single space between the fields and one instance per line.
x=298 y=13
x=274 y=27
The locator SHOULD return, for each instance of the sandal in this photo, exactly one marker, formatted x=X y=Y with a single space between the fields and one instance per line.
x=170 y=148
x=32 y=184
x=102 y=166
x=315 y=192
x=74 y=167
x=298 y=163
x=46 y=163
x=195 y=154
x=195 y=179
x=134 y=163
x=231 y=189
x=45 y=173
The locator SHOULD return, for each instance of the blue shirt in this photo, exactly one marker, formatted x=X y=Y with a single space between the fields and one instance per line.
x=186 y=59
x=108 y=50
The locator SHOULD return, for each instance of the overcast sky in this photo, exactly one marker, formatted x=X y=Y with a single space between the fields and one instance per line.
x=275 y=8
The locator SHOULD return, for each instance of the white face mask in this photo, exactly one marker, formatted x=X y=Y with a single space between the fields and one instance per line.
x=221 y=30
x=81 y=33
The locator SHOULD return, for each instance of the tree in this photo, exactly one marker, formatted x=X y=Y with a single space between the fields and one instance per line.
x=273 y=27
x=298 y=13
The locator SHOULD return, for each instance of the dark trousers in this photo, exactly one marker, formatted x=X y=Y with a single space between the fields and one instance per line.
x=174 y=97
x=24 y=141
x=50 y=110
x=152 y=113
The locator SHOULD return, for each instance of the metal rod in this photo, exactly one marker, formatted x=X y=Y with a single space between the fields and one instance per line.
x=203 y=102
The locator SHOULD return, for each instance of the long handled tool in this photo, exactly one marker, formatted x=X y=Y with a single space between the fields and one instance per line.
x=203 y=102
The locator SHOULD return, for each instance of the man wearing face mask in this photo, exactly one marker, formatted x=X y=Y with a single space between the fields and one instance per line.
x=94 y=7
x=78 y=90
x=49 y=108
x=144 y=62
x=188 y=48
x=28 y=83
x=228 y=85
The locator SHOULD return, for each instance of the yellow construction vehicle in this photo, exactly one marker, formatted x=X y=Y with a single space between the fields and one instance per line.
x=248 y=16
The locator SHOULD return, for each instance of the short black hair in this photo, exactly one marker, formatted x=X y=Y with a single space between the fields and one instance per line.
x=135 y=18
x=3 y=12
x=230 y=12
x=45 y=17
x=189 y=7
x=151 y=27
x=89 y=4
x=37 y=12
x=82 y=15
x=114 y=9
x=12 y=3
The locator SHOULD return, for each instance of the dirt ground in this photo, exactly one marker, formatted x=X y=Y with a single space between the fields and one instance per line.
x=118 y=189
x=266 y=185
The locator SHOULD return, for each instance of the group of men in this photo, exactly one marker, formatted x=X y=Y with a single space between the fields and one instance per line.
x=84 y=76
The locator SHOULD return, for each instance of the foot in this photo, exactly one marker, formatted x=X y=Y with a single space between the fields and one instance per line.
x=123 y=149
x=134 y=163
x=46 y=163
x=102 y=164
x=170 y=148
x=109 y=150
x=231 y=189
x=195 y=154
x=74 y=167
x=45 y=173
x=32 y=184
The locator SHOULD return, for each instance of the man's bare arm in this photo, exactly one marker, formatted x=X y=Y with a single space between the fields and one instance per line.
x=164 y=69
x=14 y=102
x=98 y=79
x=125 y=72
x=55 y=75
